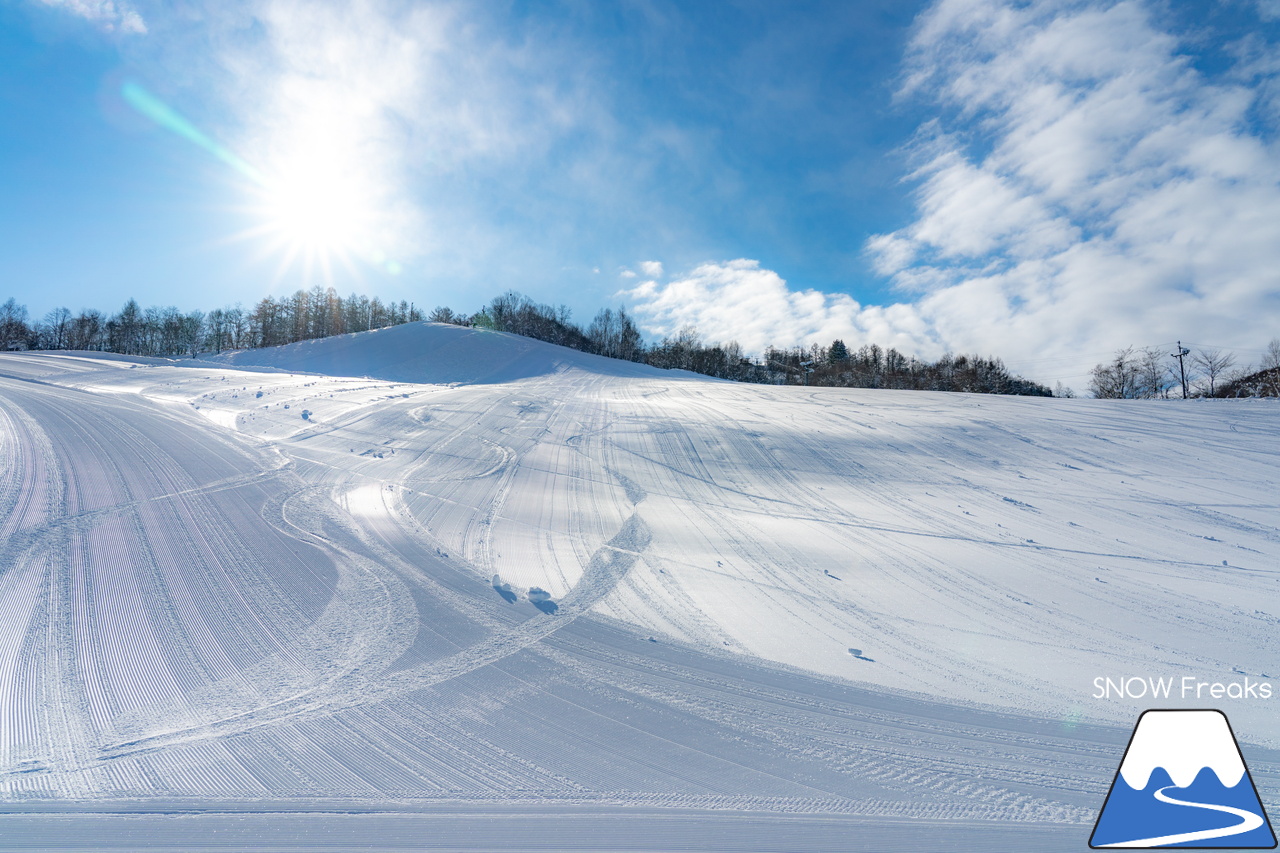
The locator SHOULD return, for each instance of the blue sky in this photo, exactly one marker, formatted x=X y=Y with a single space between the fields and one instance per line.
x=1046 y=181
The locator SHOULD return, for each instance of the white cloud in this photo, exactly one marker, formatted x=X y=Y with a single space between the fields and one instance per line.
x=1104 y=193
x=739 y=301
x=1084 y=188
x=652 y=269
x=111 y=16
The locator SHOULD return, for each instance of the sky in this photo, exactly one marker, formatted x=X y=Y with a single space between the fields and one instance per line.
x=1045 y=181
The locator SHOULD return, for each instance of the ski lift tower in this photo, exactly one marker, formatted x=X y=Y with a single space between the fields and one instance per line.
x=806 y=367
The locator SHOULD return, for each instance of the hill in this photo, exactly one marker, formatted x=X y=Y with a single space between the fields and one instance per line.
x=429 y=353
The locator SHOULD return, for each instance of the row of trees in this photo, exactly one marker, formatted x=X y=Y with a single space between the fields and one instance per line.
x=873 y=367
x=318 y=313
x=308 y=315
x=153 y=331
x=1153 y=373
x=158 y=331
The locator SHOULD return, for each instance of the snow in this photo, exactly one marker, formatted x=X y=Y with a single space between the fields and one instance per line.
x=428 y=353
x=868 y=607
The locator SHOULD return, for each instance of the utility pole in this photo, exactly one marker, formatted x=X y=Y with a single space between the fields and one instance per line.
x=1182 y=353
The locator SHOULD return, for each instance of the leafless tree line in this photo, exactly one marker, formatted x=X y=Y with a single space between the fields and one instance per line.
x=1153 y=373
x=166 y=331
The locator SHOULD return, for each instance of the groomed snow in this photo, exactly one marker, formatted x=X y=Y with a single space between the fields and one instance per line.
x=229 y=582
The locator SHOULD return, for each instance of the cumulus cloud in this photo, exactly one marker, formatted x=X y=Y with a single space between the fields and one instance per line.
x=1104 y=192
x=652 y=269
x=1082 y=187
x=109 y=15
x=739 y=301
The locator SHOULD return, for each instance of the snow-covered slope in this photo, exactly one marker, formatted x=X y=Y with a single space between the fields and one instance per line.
x=429 y=353
x=569 y=579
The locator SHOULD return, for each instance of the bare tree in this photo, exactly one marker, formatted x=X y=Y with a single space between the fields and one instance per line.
x=1155 y=377
x=14 y=331
x=1271 y=359
x=87 y=330
x=1213 y=363
x=53 y=331
x=216 y=325
x=442 y=314
x=237 y=326
x=613 y=334
x=1117 y=379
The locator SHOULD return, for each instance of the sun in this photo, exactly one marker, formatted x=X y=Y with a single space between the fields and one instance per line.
x=319 y=211
x=321 y=198
x=314 y=212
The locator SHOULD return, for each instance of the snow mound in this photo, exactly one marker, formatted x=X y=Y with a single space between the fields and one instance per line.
x=430 y=353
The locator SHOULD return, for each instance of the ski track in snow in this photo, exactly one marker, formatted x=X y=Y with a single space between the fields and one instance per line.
x=204 y=595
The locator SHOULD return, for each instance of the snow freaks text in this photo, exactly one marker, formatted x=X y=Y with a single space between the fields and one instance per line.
x=1180 y=687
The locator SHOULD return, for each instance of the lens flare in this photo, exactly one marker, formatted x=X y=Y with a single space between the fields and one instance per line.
x=168 y=118
x=311 y=209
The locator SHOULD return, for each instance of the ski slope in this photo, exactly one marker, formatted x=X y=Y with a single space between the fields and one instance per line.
x=453 y=576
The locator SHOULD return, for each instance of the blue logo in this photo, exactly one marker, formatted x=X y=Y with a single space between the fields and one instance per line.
x=1183 y=783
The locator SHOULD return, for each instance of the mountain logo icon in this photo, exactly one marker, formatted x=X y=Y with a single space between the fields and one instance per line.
x=1183 y=783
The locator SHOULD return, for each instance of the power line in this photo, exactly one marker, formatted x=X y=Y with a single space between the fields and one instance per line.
x=1229 y=349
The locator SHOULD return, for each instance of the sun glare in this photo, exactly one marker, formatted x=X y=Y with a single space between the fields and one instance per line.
x=314 y=214
x=319 y=207
x=318 y=215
